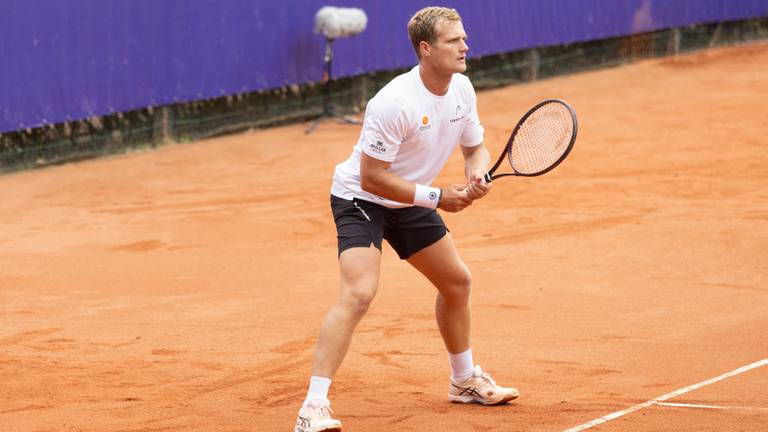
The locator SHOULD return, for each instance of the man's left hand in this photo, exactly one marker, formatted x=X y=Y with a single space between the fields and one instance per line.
x=477 y=187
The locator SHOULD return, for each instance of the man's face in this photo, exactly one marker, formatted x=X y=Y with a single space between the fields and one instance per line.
x=449 y=52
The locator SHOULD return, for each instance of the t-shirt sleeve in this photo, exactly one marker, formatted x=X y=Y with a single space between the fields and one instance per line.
x=473 y=130
x=384 y=129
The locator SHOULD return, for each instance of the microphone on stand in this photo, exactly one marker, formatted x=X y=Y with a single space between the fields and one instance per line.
x=334 y=23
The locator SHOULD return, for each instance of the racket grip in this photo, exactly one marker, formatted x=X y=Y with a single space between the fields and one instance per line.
x=487 y=177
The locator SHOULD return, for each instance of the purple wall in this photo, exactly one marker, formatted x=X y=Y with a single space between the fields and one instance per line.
x=65 y=60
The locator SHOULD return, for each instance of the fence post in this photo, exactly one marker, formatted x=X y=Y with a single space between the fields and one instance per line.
x=533 y=61
x=161 y=126
x=716 y=37
x=675 y=38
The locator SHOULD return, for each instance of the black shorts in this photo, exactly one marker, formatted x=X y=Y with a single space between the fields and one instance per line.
x=360 y=223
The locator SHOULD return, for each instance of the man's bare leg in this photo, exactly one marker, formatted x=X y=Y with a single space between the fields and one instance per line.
x=441 y=264
x=359 y=279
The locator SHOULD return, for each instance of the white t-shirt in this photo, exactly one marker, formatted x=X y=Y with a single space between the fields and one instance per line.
x=413 y=129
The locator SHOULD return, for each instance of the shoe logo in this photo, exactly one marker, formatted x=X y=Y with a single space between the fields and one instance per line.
x=472 y=391
x=304 y=421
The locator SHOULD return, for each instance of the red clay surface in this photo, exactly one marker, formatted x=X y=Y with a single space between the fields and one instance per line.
x=182 y=289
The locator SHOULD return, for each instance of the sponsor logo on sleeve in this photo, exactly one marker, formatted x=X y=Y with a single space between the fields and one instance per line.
x=377 y=147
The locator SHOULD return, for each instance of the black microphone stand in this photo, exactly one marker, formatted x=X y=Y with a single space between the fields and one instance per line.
x=328 y=110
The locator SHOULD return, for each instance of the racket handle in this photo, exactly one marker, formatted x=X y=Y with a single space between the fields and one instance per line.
x=487 y=177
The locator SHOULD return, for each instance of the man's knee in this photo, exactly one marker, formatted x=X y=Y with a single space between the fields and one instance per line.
x=359 y=298
x=359 y=278
x=458 y=288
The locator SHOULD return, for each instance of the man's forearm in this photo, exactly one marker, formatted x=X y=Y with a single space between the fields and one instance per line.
x=477 y=160
x=389 y=186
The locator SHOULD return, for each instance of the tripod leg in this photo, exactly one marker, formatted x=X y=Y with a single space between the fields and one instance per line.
x=349 y=120
x=314 y=125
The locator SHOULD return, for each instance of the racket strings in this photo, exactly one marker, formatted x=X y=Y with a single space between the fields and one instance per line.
x=542 y=139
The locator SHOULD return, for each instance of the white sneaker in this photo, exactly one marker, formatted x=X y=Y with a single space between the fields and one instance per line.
x=480 y=388
x=316 y=417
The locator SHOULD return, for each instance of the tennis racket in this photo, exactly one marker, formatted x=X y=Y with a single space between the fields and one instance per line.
x=540 y=141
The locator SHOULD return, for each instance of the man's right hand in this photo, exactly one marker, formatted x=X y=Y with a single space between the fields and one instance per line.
x=455 y=198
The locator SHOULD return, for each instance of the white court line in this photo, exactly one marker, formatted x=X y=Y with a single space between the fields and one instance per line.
x=715 y=407
x=668 y=396
x=683 y=405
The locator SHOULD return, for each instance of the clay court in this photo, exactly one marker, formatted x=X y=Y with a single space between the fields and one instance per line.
x=182 y=289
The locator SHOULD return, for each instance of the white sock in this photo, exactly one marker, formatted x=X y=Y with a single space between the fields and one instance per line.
x=461 y=365
x=318 y=389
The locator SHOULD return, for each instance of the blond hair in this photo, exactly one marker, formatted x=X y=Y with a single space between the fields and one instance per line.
x=421 y=26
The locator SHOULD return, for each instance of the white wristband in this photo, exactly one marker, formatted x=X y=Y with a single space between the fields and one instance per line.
x=427 y=196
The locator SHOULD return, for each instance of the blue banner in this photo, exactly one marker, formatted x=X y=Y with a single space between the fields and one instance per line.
x=67 y=60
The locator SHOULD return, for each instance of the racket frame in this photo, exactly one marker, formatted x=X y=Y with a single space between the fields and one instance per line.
x=490 y=176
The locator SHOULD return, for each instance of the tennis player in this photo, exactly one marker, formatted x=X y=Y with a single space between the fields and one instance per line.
x=383 y=191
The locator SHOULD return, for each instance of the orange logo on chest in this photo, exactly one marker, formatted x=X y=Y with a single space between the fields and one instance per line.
x=424 y=120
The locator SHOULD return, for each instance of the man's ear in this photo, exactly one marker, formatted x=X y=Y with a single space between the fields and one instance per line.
x=425 y=48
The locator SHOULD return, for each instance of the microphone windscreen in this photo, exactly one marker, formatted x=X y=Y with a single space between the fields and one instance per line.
x=336 y=22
